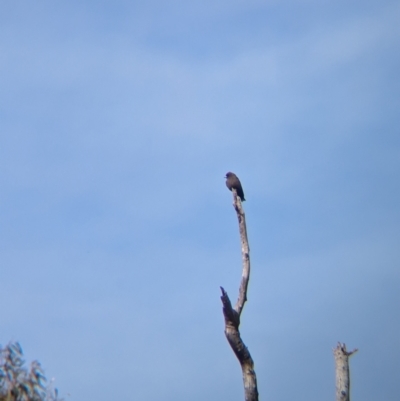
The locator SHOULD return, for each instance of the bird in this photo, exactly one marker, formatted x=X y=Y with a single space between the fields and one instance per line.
x=233 y=182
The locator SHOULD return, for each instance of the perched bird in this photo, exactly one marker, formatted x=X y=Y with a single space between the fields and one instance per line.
x=233 y=182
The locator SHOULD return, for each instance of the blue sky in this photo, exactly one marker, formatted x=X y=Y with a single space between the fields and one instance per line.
x=118 y=122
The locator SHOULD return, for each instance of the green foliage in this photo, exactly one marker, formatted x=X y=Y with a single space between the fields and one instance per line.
x=20 y=383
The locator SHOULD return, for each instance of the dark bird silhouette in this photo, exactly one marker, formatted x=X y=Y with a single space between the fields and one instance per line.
x=233 y=182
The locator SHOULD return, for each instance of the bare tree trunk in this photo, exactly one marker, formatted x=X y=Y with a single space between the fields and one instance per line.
x=342 y=372
x=232 y=315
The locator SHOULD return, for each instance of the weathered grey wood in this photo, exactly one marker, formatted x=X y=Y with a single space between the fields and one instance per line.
x=232 y=315
x=242 y=298
x=342 y=372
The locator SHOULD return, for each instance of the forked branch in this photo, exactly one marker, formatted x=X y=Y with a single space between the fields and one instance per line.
x=342 y=371
x=232 y=315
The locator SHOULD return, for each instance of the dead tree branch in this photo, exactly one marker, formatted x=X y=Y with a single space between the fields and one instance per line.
x=232 y=315
x=342 y=372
